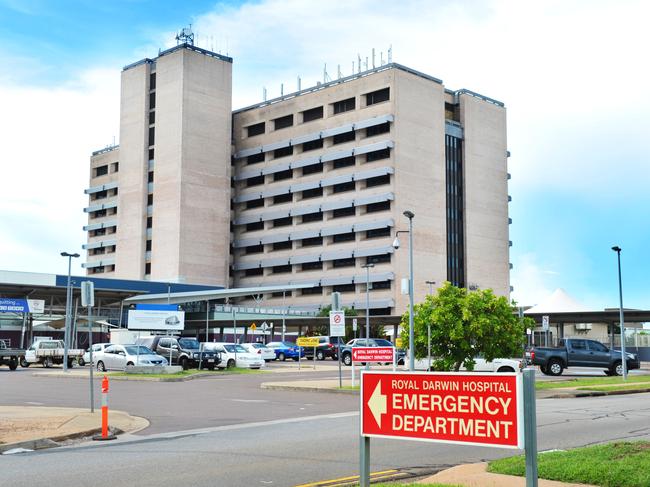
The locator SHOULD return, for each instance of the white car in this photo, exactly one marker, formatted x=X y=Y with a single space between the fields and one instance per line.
x=260 y=349
x=119 y=357
x=97 y=347
x=481 y=365
x=235 y=355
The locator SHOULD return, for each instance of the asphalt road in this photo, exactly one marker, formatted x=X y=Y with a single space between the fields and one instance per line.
x=293 y=451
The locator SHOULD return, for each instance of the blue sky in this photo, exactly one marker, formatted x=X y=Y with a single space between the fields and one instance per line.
x=572 y=74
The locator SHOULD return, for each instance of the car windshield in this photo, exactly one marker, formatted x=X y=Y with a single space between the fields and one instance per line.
x=383 y=343
x=188 y=343
x=234 y=348
x=289 y=344
x=133 y=350
x=259 y=345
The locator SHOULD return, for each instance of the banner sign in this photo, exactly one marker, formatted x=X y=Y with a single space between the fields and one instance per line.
x=308 y=342
x=151 y=319
x=10 y=305
x=337 y=323
x=461 y=408
x=372 y=354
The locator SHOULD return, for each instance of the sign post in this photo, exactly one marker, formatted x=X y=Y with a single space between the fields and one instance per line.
x=530 y=427
x=337 y=329
x=308 y=342
x=545 y=327
x=88 y=300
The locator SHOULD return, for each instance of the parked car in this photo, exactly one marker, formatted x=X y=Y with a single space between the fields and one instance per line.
x=10 y=356
x=285 y=350
x=346 y=350
x=97 y=347
x=184 y=351
x=119 y=357
x=324 y=349
x=579 y=352
x=266 y=353
x=234 y=355
x=480 y=364
x=48 y=353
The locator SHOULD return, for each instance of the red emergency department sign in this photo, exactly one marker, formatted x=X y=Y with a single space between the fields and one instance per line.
x=372 y=354
x=465 y=408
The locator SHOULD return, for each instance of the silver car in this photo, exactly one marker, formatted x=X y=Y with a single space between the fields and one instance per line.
x=119 y=357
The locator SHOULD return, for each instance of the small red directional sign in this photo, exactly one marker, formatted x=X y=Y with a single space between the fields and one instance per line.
x=372 y=354
x=448 y=407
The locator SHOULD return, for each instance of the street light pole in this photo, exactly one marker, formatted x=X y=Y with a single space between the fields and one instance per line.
x=367 y=267
x=409 y=214
x=617 y=249
x=68 y=309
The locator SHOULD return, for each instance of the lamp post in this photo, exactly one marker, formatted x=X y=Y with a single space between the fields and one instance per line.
x=409 y=214
x=617 y=249
x=68 y=307
x=367 y=267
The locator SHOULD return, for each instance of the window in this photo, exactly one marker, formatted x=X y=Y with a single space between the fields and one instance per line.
x=284 y=152
x=100 y=195
x=380 y=285
x=378 y=154
x=147 y=268
x=147 y=245
x=597 y=347
x=313 y=169
x=115 y=167
x=349 y=262
x=254 y=203
x=343 y=212
x=312 y=114
x=256 y=129
x=378 y=129
x=378 y=96
x=255 y=158
x=343 y=106
x=254 y=249
x=152 y=81
x=344 y=237
x=149 y=199
x=340 y=188
x=312 y=193
x=152 y=135
x=152 y=117
x=343 y=288
x=281 y=294
x=110 y=268
x=344 y=137
x=378 y=259
x=283 y=198
x=312 y=145
x=250 y=227
x=98 y=251
x=378 y=232
x=283 y=122
x=150 y=177
x=279 y=176
x=281 y=269
x=282 y=222
x=256 y=181
x=149 y=222
x=310 y=242
x=98 y=270
x=152 y=101
x=452 y=112
x=287 y=244
x=312 y=290
x=101 y=170
x=98 y=232
x=257 y=271
x=312 y=217
x=375 y=207
x=311 y=266
x=378 y=181
x=344 y=162
x=98 y=214
x=151 y=153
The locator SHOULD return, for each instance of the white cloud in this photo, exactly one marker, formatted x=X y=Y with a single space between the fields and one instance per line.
x=531 y=281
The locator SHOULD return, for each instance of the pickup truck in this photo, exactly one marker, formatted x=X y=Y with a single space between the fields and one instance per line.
x=10 y=356
x=182 y=351
x=48 y=353
x=579 y=352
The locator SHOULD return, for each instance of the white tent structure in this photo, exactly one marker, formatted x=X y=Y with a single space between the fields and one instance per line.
x=558 y=302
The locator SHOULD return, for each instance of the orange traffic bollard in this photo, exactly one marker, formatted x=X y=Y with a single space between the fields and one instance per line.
x=105 y=435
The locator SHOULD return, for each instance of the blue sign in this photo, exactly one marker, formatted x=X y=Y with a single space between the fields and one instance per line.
x=157 y=307
x=9 y=305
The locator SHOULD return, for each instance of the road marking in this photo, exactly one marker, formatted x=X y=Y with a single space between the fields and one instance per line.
x=250 y=400
x=346 y=480
x=34 y=403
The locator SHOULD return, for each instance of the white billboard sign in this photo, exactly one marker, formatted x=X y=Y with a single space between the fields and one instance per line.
x=148 y=319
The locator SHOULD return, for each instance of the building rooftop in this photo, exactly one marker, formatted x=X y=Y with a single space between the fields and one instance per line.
x=171 y=50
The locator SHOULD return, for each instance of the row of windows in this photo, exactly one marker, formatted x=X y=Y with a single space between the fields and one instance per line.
x=316 y=113
x=101 y=269
x=100 y=195
x=102 y=250
x=318 y=265
x=102 y=231
x=105 y=169
x=102 y=213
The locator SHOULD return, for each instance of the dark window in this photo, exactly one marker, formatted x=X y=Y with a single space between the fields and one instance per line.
x=454 y=205
x=378 y=259
x=310 y=242
x=152 y=81
x=378 y=154
x=152 y=135
x=256 y=181
x=150 y=177
x=281 y=269
x=378 y=129
x=378 y=96
x=254 y=249
x=281 y=294
x=381 y=312
x=344 y=162
x=115 y=167
x=151 y=153
x=378 y=232
x=452 y=112
x=147 y=245
x=255 y=158
x=255 y=129
x=283 y=122
x=256 y=271
x=312 y=145
x=343 y=105
x=283 y=198
x=147 y=268
x=100 y=195
x=312 y=217
x=378 y=181
x=250 y=227
x=310 y=266
x=149 y=222
x=279 y=176
x=312 y=114
x=101 y=170
x=344 y=137
x=255 y=203
x=313 y=169
x=282 y=222
x=343 y=288
x=374 y=207
x=97 y=270
x=312 y=193
x=579 y=345
x=152 y=117
x=98 y=232
x=349 y=262
x=344 y=237
x=149 y=199
x=340 y=188
x=342 y=212
x=380 y=285
x=152 y=101
x=285 y=151
x=98 y=214
x=312 y=290
x=282 y=245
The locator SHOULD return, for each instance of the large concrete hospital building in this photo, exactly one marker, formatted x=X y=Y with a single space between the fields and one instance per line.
x=306 y=188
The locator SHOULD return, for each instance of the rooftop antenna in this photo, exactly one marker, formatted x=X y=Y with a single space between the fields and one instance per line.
x=352 y=67
x=338 y=68
x=366 y=63
x=299 y=83
x=381 y=58
x=390 y=54
x=264 y=93
x=373 y=57
x=281 y=89
x=326 y=77
x=113 y=141
x=185 y=36
x=359 y=62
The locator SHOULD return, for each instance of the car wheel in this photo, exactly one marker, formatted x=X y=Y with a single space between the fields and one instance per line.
x=13 y=364
x=231 y=363
x=210 y=366
x=320 y=355
x=183 y=363
x=608 y=372
x=130 y=364
x=505 y=369
x=555 y=367
x=282 y=357
x=48 y=362
x=24 y=363
x=81 y=362
x=347 y=359
x=617 y=368
x=101 y=367
x=70 y=364
x=295 y=359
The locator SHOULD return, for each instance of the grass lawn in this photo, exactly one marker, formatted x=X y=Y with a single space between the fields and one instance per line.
x=186 y=373
x=619 y=464
x=592 y=381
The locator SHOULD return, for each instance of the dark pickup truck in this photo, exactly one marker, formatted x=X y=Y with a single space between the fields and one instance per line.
x=578 y=352
x=10 y=356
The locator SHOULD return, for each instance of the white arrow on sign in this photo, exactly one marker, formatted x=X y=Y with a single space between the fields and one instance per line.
x=377 y=404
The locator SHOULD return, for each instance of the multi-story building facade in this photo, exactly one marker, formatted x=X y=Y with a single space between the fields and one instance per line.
x=307 y=188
